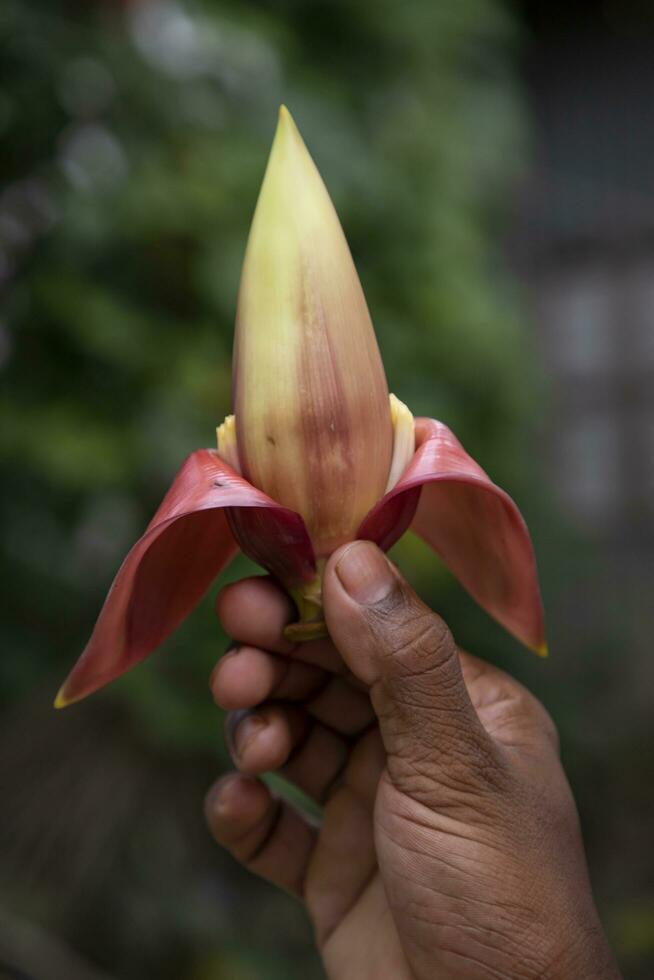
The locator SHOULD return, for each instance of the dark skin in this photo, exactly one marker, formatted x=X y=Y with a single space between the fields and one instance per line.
x=450 y=845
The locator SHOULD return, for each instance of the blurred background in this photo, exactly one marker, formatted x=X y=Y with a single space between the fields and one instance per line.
x=492 y=166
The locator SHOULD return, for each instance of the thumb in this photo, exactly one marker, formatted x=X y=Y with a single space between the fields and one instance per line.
x=406 y=654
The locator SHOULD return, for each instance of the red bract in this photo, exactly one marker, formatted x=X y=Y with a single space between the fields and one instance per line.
x=443 y=495
x=185 y=546
x=471 y=523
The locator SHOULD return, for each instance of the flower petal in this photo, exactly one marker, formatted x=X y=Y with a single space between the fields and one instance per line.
x=471 y=523
x=186 y=545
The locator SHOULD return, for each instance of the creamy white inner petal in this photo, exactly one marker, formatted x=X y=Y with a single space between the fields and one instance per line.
x=227 y=445
x=404 y=440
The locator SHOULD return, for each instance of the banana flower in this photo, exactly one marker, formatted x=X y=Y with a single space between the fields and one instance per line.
x=316 y=454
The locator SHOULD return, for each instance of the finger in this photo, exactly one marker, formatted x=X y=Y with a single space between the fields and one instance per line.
x=344 y=863
x=247 y=676
x=262 y=740
x=281 y=738
x=364 y=768
x=255 y=611
x=406 y=653
x=267 y=836
x=341 y=707
x=507 y=710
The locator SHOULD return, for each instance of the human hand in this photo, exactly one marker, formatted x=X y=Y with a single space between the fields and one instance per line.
x=450 y=844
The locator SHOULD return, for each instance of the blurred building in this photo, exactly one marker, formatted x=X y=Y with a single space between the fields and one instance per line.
x=583 y=244
x=586 y=248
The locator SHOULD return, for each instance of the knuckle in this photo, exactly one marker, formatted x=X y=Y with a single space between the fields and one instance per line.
x=560 y=811
x=529 y=709
x=511 y=712
x=549 y=729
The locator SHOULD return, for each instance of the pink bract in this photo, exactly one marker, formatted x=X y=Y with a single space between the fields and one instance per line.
x=443 y=495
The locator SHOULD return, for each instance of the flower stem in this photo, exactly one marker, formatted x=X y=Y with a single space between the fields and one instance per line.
x=308 y=599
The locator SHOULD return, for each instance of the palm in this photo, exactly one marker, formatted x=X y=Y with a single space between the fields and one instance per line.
x=365 y=944
x=343 y=889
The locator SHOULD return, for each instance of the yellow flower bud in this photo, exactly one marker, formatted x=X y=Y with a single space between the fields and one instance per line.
x=313 y=419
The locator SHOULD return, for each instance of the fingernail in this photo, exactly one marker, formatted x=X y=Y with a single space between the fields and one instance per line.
x=240 y=728
x=219 y=798
x=365 y=573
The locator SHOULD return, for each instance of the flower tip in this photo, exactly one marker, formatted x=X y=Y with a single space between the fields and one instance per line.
x=61 y=701
x=541 y=650
x=286 y=127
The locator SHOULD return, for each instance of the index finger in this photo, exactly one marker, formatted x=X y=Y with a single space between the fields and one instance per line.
x=255 y=611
